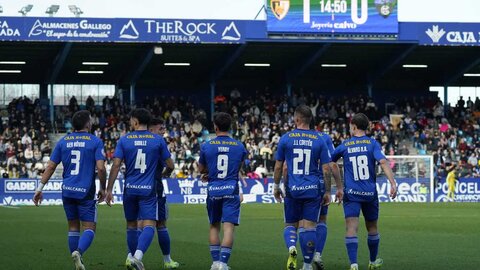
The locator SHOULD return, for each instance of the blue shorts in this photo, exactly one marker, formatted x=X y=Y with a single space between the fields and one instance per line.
x=140 y=207
x=84 y=210
x=162 y=208
x=369 y=209
x=298 y=209
x=224 y=209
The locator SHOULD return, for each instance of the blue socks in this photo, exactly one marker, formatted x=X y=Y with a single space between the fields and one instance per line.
x=225 y=253
x=73 y=238
x=352 y=247
x=132 y=239
x=215 y=252
x=290 y=236
x=373 y=242
x=145 y=239
x=307 y=243
x=86 y=240
x=321 y=237
x=164 y=240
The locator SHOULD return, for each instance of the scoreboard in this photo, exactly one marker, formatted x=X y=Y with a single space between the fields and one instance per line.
x=333 y=16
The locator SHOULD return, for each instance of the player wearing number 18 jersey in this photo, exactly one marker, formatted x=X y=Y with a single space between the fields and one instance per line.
x=142 y=152
x=360 y=155
x=220 y=161
x=79 y=152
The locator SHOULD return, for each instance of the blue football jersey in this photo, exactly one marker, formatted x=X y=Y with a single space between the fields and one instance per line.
x=142 y=152
x=78 y=152
x=360 y=156
x=304 y=152
x=328 y=141
x=223 y=157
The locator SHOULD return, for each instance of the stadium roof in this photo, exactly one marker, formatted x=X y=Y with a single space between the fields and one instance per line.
x=379 y=64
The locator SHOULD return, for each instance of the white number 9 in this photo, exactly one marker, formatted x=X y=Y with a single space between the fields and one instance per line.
x=222 y=166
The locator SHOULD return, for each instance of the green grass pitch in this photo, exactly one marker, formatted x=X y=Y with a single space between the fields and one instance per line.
x=413 y=236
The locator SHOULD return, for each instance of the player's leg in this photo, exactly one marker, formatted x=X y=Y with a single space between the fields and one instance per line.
x=130 y=207
x=163 y=235
x=88 y=215
x=147 y=212
x=321 y=234
x=310 y=214
x=230 y=219
x=214 y=210
x=292 y=216
x=73 y=218
x=370 y=212
x=352 y=212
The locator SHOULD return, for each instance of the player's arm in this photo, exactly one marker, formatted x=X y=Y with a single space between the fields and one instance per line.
x=117 y=163
x=102 y=176
x=47 y=174
x=277 y=176
x=101 y=170
x=170 y=166
x=388 y=172
x=335 y=170
x=327 y=174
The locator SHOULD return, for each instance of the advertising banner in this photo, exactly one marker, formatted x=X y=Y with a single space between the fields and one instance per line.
x=333 y=16
x=463 y=34
x=466 y=190
x=15 y=192
x=130 y=30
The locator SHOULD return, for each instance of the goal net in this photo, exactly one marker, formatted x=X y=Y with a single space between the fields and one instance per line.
x=414 y=176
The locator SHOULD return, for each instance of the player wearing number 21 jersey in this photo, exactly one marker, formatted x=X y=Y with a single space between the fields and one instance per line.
x=360 y=155
x=79 y=152
x=220 y=161
x=142 y=152
x=307 y=158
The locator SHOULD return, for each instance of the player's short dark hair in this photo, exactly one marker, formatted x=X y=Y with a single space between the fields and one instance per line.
x=361 y=121
x=142 y=115
x=223 y=121
x=304 y=113
x=156 y=121
x=80 y=119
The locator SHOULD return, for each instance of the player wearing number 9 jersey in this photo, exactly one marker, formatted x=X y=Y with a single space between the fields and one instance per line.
x=80 y=152
x=142 y=152
x=220 y=161
x=360 y=155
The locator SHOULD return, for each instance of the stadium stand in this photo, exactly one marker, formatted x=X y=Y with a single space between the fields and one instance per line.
x=451 y=135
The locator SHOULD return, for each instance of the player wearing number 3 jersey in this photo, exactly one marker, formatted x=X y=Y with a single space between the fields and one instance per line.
x=220 y=161
x=360 y=155
x=142 y=152
x=79 y=152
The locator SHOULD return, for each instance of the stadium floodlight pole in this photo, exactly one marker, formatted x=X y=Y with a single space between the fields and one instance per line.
x=212 y=98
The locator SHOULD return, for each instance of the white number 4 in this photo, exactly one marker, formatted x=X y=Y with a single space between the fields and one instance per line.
x=140 y=161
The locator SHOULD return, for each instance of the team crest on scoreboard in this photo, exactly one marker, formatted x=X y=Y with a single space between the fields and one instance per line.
x=385 y=7
x=280 y=8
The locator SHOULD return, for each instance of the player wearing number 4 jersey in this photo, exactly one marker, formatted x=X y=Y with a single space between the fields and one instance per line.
x=142 y=152
x=360 y=155
x=307 y=159
x=80 y=152
x=220 y=162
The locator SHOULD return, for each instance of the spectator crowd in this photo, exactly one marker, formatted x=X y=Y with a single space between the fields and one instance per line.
x=413 y=126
